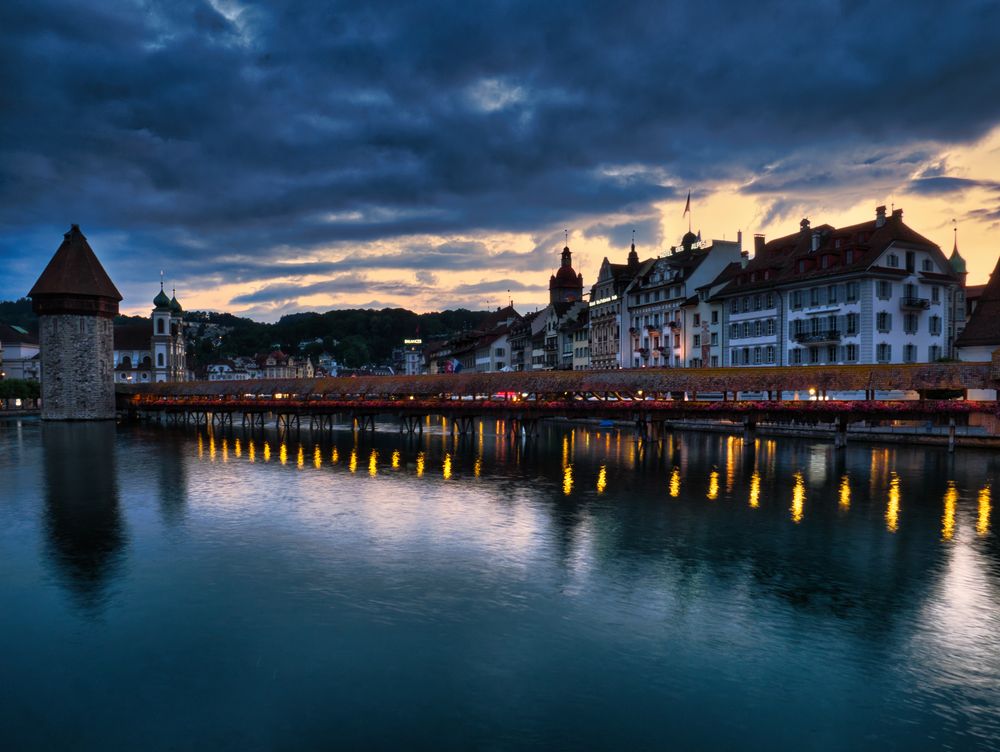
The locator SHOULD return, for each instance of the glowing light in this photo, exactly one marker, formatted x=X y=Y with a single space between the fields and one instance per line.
x=352 y=464
x=602 y=479
x=237 y=449
x=267 y=452
x=446 y=468
x=225 y=451
x=730 y=463
x=713 y=485
x=395 y=460
x=373 y=463
x=300 y=458
x=798 y=498
x=317 y=457
x=567 y=480
x=892 y=509
x=252 y=452
x=478 y=467
x=334 y=456
x=755 y=490
x=845 y=493
x=420 y=464
x=211 y=447
x=565 y=451
x=983 y=518
x=201 y=446
x=675 y=482
x=283 y=453
x=948 y=517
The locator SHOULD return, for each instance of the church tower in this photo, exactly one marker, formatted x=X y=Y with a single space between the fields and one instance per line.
x=162 y=339
x=75 y=301
x=566 y=286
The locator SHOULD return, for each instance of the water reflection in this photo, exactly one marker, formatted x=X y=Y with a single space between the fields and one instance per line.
x=84 y=527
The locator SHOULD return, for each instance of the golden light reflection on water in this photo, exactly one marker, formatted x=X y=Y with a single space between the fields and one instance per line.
x=373 y=463
x=352 y=463
x=334 y=456
x=567 y=480
x=713 y=485
x=845 y=492
x=225 y=451
x=446 y=467
x=317 y=457
x=211 y=448
x=675 y=482
x=730 y=463
x=300 y=458
x=395 y=460
x=420 y=464
x=602 y=479
x=478 y=467
x=283 y=453
x=755 y=490
x=237 y=449
x=983 y=515
x=798 y=497
x=201 y=446
x=892 y=508
x=565 y=451
x=252 y=452
x=948 y=516
x=267 y=452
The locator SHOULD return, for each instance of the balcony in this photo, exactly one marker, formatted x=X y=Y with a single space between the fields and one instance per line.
x=910 y=303
x=813 y=338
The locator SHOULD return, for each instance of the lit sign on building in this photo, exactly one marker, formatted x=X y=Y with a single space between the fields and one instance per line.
x=602 y=301
x=413 y=342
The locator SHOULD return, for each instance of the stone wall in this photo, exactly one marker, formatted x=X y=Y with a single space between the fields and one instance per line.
x=77 y=371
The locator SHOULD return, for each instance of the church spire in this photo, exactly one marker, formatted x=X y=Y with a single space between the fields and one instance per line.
x=956 y=260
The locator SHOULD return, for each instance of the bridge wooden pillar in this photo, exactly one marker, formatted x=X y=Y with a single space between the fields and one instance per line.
x=749 y=428
x=364 y=422
x=951 y=434
x=840 y=434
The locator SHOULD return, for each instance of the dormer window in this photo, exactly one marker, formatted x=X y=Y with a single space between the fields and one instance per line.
x=892 y=260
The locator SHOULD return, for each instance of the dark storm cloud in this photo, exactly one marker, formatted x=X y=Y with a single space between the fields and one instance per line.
x=938 y=186
x=204 y=132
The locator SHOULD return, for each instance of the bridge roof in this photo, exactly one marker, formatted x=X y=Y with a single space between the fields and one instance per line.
x=842 y=378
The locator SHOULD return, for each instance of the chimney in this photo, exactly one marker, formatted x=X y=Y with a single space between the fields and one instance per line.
x=804 y=225
x=739 y=240
x=879 y=216
x=815 y=241
x=897 y=214
x=758 y=244
x=744 y=259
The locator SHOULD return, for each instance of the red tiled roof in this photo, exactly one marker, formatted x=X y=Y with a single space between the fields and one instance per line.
x=75 y=270
x=983 y=327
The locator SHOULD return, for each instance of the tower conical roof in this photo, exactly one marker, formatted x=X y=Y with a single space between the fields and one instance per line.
x=956 y=260
x=161 y=301
x=74 y=270
x=175 y=306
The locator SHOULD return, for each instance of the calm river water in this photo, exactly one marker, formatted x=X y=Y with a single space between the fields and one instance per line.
x=169 y=589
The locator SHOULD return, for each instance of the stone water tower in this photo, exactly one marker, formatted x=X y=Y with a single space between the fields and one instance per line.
x=76 y=301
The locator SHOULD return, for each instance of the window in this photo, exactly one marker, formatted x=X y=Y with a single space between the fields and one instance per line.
x=697 y=340
x=746 y=356
x=935 y=294
x=715 y=338
x=734 y=305
x=934 y=353
x=770 y=354
x=756 y=328
x=852 y=292
x=756 y=356
x=892 y=260
x=911 y=261
x=697 y=319
x=883 y=353
x=795 y=356
x=715 y=317
x=852 y=323
x=770 y=327
x=797 y=299
x=927 y=265
x=883 y=288
x=831 y=353
x=746 y=328
x=849 y=257
x=910 y=323
x=159 y=357
x=934 y=323
x=770 y=300
x=159 y=326
x=498 y=352
x=883 y=321
x=715 y=361
x=734 y=331
x=814 y=296
x=832 y=294
x=746 y=304
x=909 y=353
x=851 y=353
x=756 y=302
x=813 y=355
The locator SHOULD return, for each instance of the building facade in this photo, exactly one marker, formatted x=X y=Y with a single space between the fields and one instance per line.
x=154 y=352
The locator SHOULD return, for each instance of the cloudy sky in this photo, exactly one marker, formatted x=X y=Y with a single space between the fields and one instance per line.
x=274 y=157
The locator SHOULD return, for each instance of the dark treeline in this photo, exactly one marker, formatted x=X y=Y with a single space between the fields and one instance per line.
x=355 y=337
